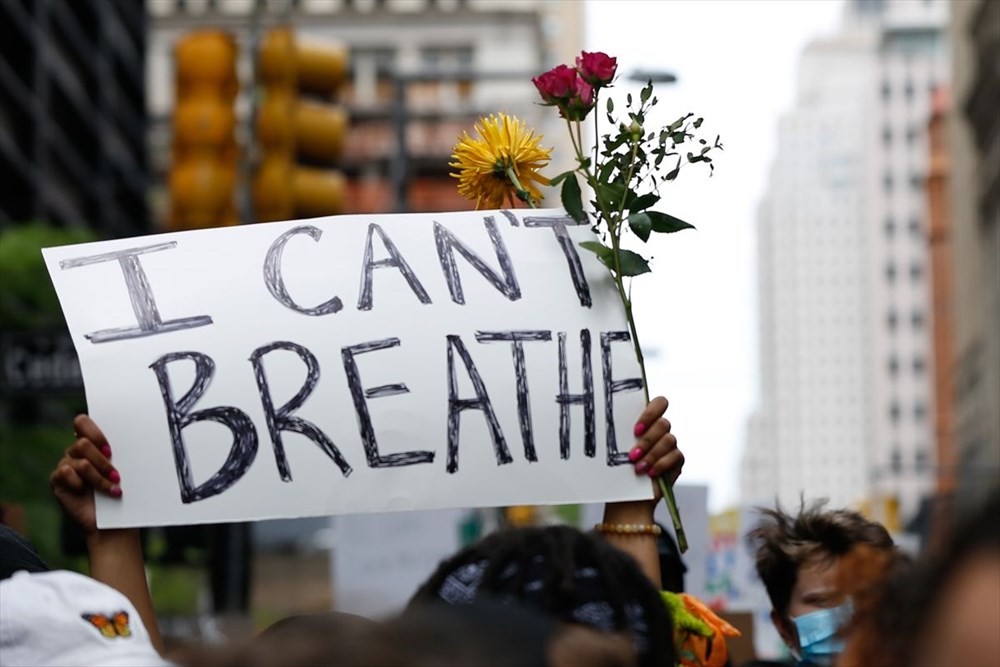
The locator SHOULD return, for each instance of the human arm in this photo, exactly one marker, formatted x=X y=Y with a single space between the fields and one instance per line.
x=115 y=555
x=655 y=453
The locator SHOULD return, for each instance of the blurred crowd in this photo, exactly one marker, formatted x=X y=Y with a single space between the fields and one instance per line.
x=842 y=593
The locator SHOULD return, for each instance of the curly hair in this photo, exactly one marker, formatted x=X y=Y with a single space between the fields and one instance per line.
x=783 y=543
x=568 y=575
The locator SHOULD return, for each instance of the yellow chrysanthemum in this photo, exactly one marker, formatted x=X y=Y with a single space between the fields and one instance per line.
x=501 y=164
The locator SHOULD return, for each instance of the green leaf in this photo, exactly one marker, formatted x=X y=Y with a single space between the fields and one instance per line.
x=647 y=91
x=641 y=224
x=610 y=194
x=643 y=202
x=632 y=264
x=664 y=223
x=571 y=199
x=611 y=105
x=556 y=180
x=602 y=251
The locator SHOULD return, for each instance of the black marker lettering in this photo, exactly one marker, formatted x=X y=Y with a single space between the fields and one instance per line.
x=511 y=218
x=447 y=244
x=395 y=260
x=558 y=225
x=359 y=394
x=566 y=399
x=179 y=416
x=517 y=339
x=140 y=294
x=282 y=419
x=457 y=405
x=276 y=283
x=612 y=387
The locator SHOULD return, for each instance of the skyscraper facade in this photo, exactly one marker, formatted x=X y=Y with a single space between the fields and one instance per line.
x=846 y=389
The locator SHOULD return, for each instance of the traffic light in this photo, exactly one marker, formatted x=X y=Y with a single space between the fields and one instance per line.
x=203 y=171
x=298 y=127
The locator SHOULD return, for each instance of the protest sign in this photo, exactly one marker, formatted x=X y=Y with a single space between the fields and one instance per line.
x=353 y=364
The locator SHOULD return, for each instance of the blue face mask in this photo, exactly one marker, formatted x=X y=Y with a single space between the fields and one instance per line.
x=818 y=630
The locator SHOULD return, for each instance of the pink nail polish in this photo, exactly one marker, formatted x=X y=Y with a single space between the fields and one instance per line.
x=115 y=491
x=651 y=473
x=114 y=476
x=635 y=454
x=639 y=429
x=106 y=451
x=641 y=467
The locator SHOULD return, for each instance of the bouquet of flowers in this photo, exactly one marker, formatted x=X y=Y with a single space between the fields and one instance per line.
x=622 y=174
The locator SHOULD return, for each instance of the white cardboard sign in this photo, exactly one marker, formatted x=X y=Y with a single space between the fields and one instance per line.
x=353 y=364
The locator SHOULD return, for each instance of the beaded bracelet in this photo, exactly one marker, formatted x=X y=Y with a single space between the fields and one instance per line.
x=629 y=528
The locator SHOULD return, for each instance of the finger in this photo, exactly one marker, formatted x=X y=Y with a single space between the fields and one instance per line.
x=654 y=410
x=93 y=478
x=65 y=478
x=85 y=450
x=644 y=445
x=669 y=465
x=87 y=428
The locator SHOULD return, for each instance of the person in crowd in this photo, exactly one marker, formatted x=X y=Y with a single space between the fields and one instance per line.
x=116 y=556
x=944 y=610
x=485 y=634
x=61 y=618
x=798 y=558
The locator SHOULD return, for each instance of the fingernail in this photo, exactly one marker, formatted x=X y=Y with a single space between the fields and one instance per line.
x=641 y=467
x=106 y=450
x=635 y=454
x=639 y=429
x=114 y=476
x=115 y=491
x=651 y=473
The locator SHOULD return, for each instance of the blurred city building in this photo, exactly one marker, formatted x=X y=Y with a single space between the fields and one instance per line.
x=847 y=387
x=421 y=73
x=72 y=115
x=974 y=157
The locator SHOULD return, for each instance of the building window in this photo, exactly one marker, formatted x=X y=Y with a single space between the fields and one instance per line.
x=887 y=183
x=896 y=461
x=891 y=320
x=893 y=366
x=911 y=135
x=914 y=227
x=919 y=365
x=895 y=412
x=908 y=90
x=886 y=91
x=916 y=181
x=887 y=136
x=889 y=227
x=919 y=411
x=917 y=320
x=890 y=272
x=921 y=460
x=916 y=271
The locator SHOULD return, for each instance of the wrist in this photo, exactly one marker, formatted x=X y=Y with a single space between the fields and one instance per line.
x=630 y=512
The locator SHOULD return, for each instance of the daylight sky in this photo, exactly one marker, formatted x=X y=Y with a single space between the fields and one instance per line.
x=736 y=62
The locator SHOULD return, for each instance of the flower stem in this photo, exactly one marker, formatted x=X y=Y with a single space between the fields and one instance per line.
x=522 y=194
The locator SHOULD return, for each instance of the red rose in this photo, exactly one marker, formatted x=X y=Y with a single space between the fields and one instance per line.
x=597 y=69
x=580 y=104
x=557 y=85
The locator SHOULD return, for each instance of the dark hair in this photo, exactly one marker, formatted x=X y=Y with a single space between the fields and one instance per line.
x=889 y=624
x=17 y=553
x=672 y=567
x=566 y=574
x=783 y=543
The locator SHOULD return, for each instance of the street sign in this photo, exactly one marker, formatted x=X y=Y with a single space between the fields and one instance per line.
x=38 y=362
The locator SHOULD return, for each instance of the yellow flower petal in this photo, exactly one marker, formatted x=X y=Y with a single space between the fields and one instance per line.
x=504 y=143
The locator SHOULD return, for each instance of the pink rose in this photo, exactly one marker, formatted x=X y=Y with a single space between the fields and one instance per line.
x=557 y=85
x=597 y=69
